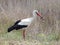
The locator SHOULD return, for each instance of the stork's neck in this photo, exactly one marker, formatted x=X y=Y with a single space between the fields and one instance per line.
x=34 y=15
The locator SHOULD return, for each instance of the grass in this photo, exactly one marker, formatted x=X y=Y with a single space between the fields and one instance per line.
x=5 y=35
x=50 y=11
x=15 y=37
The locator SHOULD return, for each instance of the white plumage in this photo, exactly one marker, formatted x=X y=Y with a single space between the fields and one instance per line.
x=25 y=21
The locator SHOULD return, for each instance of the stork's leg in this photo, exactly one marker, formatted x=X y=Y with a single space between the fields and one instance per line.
x=24 y=34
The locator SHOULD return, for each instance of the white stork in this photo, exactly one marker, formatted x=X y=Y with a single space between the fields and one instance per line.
x=24 y=22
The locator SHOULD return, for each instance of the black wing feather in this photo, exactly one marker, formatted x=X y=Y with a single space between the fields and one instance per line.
x=17 y=22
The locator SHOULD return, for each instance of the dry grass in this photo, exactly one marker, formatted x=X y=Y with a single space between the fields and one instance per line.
x=41 y=32
x=32 y=42
x=15 y=37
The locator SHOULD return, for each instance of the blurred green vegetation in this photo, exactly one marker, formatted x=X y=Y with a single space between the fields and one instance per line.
x=40 y=33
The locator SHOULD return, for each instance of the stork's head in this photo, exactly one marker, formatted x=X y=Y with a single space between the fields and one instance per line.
x=37 y=13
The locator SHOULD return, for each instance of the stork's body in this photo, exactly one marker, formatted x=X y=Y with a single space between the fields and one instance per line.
x=24 y=23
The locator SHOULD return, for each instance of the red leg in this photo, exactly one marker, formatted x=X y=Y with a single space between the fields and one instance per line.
x=24 y=34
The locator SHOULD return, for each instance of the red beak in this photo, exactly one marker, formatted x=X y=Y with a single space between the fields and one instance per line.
x=39 y=15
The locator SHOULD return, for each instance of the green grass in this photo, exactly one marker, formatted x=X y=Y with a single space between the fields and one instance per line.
x=15 y=37
x=49 y=37
x=12 y=35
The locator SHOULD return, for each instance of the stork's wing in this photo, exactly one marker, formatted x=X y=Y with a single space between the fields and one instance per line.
x=17 y=22
x=25 y=21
